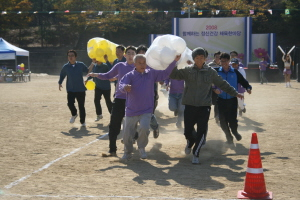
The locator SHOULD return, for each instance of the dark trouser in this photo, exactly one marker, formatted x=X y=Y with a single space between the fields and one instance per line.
x=214 y=98
x=116 y=117
x=216 y=111
x=228 y=116
x=154 y=124
x=80 y=97
x=97 y=98
x=200 y=116
x=263 y=77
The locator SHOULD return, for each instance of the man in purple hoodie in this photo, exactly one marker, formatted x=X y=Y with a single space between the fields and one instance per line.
x=139 y=88
x=118 y=106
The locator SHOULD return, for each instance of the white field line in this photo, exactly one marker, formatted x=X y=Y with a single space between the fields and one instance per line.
x=105 y=197
x=52 y=162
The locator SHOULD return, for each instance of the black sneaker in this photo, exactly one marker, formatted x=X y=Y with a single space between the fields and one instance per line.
x=136 y=136
x=175 y=113
x=156 y=133
x=237 y=136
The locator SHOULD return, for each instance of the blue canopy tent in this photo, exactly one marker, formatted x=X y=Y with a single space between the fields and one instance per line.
x=10 y=52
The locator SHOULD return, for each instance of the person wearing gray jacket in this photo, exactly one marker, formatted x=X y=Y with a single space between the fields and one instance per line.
x=197 y=98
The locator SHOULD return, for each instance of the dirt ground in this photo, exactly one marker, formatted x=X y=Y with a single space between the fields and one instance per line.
x=43 y=156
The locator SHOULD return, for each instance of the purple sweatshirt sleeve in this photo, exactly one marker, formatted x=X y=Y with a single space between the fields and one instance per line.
x=109 y=75
x=161 y=75
x=123 y=82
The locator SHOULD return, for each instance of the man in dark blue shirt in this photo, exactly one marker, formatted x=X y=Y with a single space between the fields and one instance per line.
x=102 y=88
x=75 y=85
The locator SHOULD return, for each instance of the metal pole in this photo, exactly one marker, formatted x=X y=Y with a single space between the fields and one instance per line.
x=189 y=11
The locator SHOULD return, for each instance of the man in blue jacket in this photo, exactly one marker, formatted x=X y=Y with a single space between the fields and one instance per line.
x=228 y=104
x=75 y=85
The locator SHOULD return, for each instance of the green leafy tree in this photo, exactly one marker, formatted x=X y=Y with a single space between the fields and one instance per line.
x=129 y=20
x=290 y=27
x=45 y=24
x=19 y=22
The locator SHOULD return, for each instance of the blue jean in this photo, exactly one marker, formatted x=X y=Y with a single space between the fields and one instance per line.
x=175 y=105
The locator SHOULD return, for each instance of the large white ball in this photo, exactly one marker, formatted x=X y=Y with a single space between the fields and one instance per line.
x=153 y=63
x=185 y=57
x=164 y=41
x=154 y=51
x=167 y=55
x=178 y=44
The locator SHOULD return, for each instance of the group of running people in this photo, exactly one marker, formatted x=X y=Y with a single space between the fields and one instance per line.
x=191 y=90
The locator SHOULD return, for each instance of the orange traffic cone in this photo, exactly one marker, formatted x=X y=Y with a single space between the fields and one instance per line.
x=255 y=187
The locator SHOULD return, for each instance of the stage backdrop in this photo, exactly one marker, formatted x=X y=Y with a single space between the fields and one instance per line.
x=225 y=35
x=263 y=45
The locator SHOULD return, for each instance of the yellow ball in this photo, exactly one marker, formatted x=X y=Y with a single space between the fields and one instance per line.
x=103 y=44
x=97 y=47
x=111 y=58
x=100 y=59
x=108 y=51
x=99 y=52
x=90 y=85
x=22 y=65
x=91 y=43
x=92 y=54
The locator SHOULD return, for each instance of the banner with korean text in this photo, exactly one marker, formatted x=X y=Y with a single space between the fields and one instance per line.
x=217 y=34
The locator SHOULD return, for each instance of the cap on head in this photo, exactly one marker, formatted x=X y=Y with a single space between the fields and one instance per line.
x=199 y=51
x=234 y=61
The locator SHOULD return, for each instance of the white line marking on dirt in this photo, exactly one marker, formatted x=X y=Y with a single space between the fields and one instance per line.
x=50 y=163
x=91 y=196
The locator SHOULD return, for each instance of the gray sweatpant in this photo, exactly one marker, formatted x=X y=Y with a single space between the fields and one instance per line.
x=130 y=129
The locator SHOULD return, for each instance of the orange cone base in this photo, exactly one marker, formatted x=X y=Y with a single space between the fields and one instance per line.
x=269 y=195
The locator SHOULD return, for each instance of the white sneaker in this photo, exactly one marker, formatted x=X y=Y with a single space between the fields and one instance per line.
x=72 y=119
x=83 y=125
x=143 y=153
x=187 y=150
x=98 y=118
x=195 y=160
x=126 y=156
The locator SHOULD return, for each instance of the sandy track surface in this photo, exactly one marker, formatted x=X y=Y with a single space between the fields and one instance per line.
x=43 y=156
